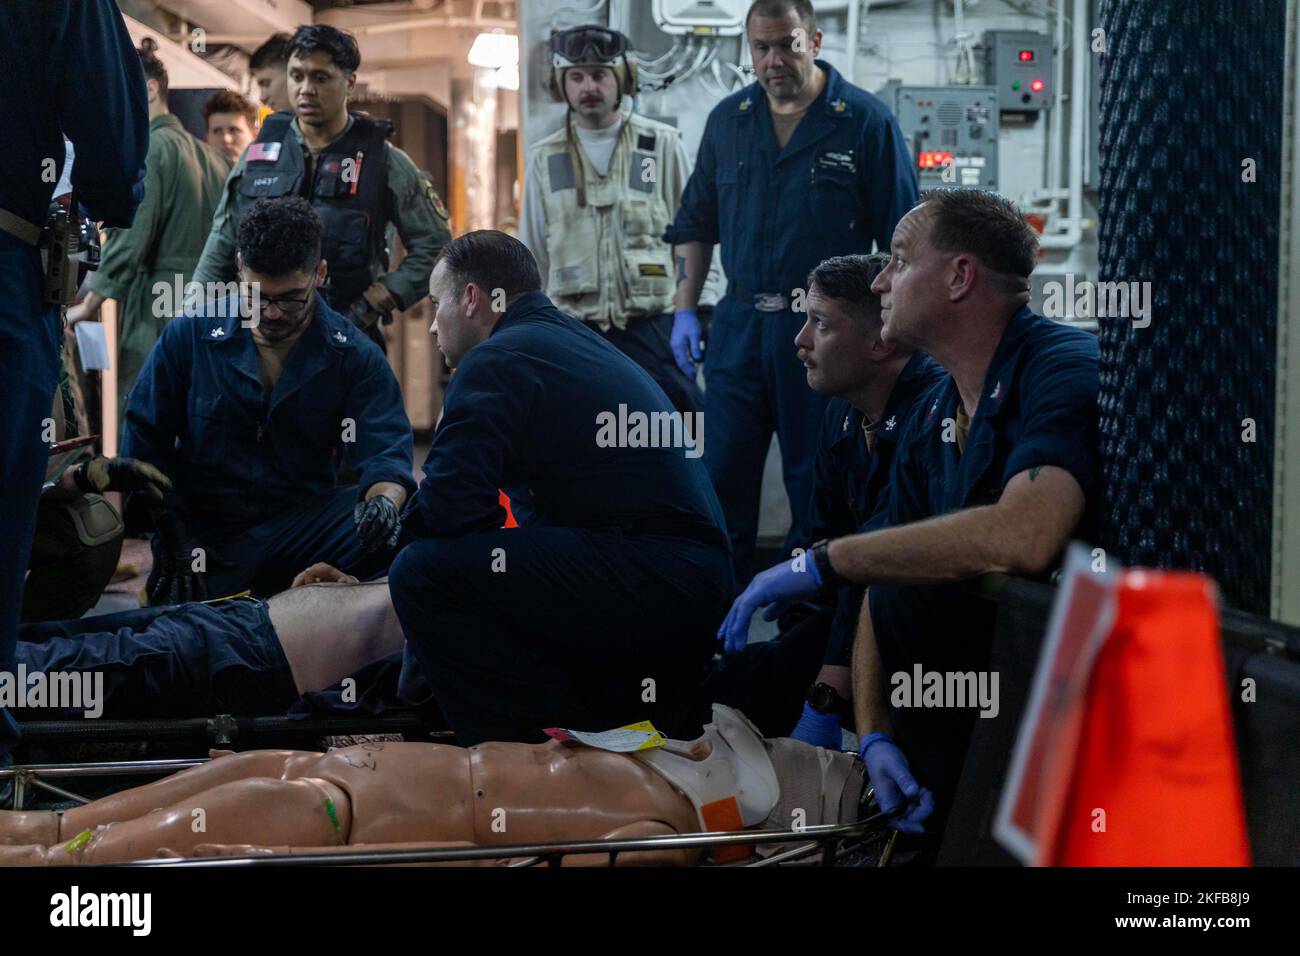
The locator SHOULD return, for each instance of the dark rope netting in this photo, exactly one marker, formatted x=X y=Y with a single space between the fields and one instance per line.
x=1190 y=90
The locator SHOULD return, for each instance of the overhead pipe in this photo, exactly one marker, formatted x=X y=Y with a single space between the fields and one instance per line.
x=1078 y=80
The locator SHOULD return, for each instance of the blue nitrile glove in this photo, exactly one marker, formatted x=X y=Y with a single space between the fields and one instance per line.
x=787 y=583
x=818 y=729
x=894 y=783
x=686 y=341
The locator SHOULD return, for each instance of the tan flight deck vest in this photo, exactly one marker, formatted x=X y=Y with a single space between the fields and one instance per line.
x=608 y=261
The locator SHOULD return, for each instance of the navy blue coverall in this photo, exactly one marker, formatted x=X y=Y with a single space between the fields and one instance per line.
x=843 y=180
x=768 y=681
x=619 y=572
x=54 y=51
x=1038 y=408
x=257 y=472
x=183 y=660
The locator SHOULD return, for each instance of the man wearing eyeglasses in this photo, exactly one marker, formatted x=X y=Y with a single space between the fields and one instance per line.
x=250 y=404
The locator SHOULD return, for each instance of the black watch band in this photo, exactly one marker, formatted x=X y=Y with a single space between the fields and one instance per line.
x=825 y=699
x=831 y=581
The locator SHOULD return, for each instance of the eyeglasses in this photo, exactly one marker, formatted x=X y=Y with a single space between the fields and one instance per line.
x=589 y=44
x=288 y=304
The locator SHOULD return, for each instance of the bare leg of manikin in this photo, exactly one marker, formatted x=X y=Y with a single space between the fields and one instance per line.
x=48 y=828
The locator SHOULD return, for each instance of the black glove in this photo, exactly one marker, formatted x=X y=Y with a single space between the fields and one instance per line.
x=176 y=582
x=120 y=474
x=378 y=523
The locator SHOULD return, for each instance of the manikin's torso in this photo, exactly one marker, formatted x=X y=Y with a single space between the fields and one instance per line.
x=495 y=793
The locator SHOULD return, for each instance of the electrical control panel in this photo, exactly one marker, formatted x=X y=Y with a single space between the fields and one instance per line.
x=701 y=17
x=952 y=132
x=1018 y=64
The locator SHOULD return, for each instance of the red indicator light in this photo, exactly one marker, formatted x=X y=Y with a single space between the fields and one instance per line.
x=1036 y=86
x=1026 y=56
x=933 y=159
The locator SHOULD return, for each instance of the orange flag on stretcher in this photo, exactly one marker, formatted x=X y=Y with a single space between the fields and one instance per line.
x=1156 y=782
x=1126 y=754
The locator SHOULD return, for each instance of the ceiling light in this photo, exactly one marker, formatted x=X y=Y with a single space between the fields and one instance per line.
x=494 y=50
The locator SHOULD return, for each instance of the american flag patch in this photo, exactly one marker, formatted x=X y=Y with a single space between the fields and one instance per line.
x=265 y=152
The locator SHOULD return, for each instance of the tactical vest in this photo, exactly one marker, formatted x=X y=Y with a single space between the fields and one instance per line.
x=346 y=190
x=608 y=262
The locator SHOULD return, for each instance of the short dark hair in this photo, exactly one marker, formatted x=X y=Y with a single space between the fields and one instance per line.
x=491 y=260
x=985 y=225
x=228 y=101
x=278 y=237
x=323 y=38
x=848 y=279
x=274 y=52
x=153 y=67
x=779 y=8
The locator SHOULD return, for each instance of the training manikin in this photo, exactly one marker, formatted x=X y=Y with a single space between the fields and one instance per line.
x=394 y=795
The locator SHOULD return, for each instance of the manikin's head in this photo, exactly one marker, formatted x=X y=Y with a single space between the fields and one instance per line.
x=793 y=784
x=475 y=280
x=269 y=65
x=818 y=786
x=959 y=259
x=840 y=344
x=232 y=123
x=278 y=247
x=783 y=43
x=323 y=65
x=591 y=73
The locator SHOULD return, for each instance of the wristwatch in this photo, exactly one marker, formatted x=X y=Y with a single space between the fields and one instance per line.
x=831 y=580
x=825 y=699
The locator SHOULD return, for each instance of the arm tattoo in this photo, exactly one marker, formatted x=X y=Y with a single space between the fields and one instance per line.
x=681 y=269
x=1033 y=472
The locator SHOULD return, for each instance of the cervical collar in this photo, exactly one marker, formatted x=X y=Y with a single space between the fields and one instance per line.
x=737 y=765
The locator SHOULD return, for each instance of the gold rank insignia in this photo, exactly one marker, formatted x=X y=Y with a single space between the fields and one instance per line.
x=744 y=105
x=839 y=106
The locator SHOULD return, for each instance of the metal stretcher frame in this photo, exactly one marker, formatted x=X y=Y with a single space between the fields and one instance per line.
x=37 y=776
x=832 y=842
x=825 y=840
x=222 y=730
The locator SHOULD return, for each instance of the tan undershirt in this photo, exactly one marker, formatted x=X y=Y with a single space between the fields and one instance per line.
x=869 y=432
x=785 y=123
x=271 y=356
x=963 y=426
